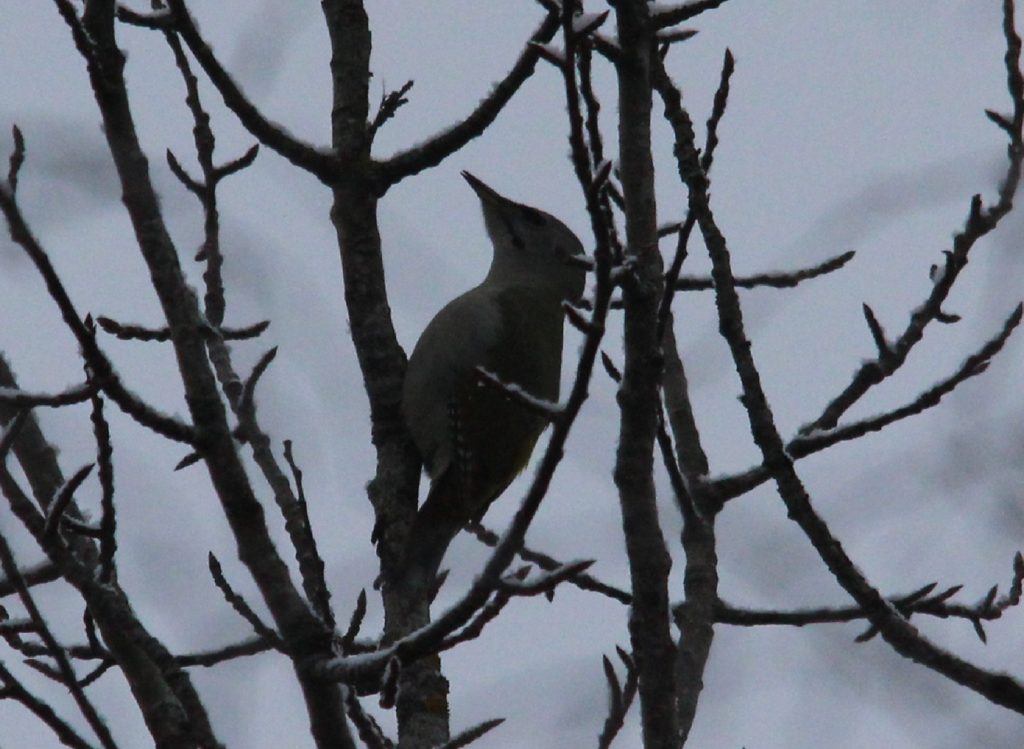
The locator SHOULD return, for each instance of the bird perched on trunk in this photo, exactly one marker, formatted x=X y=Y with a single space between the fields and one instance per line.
x=475 y=438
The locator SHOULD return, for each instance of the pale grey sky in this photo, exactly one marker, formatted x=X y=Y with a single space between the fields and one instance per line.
x=850 y=126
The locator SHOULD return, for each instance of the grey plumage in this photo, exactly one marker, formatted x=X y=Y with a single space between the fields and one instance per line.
x=473 y=438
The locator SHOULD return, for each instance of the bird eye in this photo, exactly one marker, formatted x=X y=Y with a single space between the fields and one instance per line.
x=517 y=241
x=532 y=215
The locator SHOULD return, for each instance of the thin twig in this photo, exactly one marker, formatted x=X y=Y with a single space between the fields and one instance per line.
x=370 y=732
x=808 y=442
x=620 y=697
x=308 y=555
x=467 y=737
x=583 y=581
x=141 y=333
x=241 y=607
x=905 y=639
x=105 y=474
x=434 y=150
x=17 y=398
x=673 y=14
x=15 y=690
x=40 y=574
x=781 y=280
x=318 y=162
x=54 y=650
x=252 y=646
x=920 y=601
x=103 y=370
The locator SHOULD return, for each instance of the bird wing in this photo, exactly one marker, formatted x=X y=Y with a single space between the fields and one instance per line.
x=455 y=342
x=475 y=438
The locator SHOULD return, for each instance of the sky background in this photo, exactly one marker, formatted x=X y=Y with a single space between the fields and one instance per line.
x=850 y=126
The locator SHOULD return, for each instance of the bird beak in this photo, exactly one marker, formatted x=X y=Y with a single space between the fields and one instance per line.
x=485 y=193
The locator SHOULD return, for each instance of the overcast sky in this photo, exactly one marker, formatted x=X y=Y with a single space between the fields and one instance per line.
x=850 y=126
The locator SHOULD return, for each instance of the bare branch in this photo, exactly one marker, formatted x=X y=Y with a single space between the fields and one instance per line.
x=807 y=442
x=718 y=110
x=17 y=158
x=311 y=564
x=905 y=639
x=619 y=698
x=467 y=737
x=885 y=353
x=638 y=395
x=160 y=20
x=241 y=607
x=40 y=574
x=355 y=622
x=980 y=221
x=140 y=333
x=54 y=650
x=544 y=408
x=22 y=399
x=667 y=16
x=918 y=602
x=546 y=583
x=246 y=404
x=782 y=280
x=165 y=696
x=370 y=733
x=11 y=431
x=63 y=498
x=700 y=580
x=275 y=137
x=389 y=105
x=104 y=374
x=108 y=516
x=252 y=646
x=669 y=37
x=15 y=690
x=686 y=228
x=582 y=581
x=434 y=150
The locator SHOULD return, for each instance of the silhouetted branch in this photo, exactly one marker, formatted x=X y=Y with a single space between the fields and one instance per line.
x=808 y=442
x=467 y=737
x=620 y=697
x=389 y=105
x=669 y=15
x=581 y=580
x=355 y=623
x=105 y=474
x=672 y=280
x=104 y=375
x=781 y=280
x=66 y=672
x=140 y=333
x=920 y=601
x=303 y=155
x=252 y=646
x=63 y=498
x=905 y=639
x=438 y=147
x=22 y=399
x=370 y=733
x=980 y=221
x=241 y=607
x=11 y=688
x=39 y=574
x=638 y=396
x=311 y=564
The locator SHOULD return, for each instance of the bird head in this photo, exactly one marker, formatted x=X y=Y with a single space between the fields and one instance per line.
x=530 y=246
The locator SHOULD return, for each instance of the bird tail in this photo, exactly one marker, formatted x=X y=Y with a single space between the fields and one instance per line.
x=437 y=522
